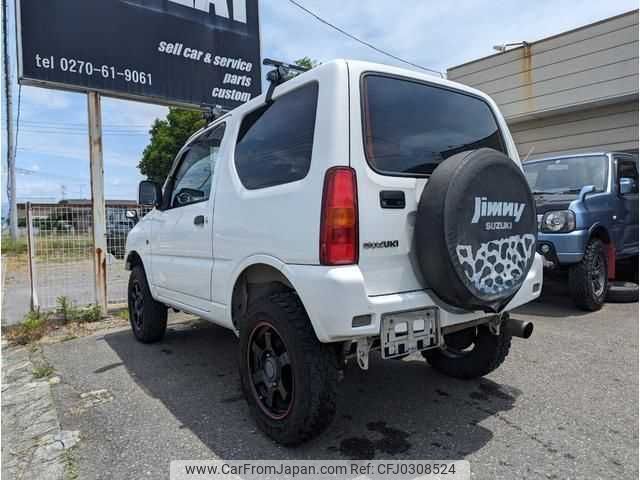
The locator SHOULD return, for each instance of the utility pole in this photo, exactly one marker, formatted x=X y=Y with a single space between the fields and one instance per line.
x=11 y=159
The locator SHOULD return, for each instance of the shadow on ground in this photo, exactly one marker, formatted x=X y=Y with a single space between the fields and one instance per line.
x=397 y=409
x=556 y=301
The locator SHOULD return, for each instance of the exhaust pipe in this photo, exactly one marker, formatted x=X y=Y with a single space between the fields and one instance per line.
x=517 y=328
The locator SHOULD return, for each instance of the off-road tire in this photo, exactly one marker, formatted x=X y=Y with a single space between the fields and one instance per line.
x=580 y=284
x=622 y=292
x=488 y=353
x=153 y=324
x=315 y=369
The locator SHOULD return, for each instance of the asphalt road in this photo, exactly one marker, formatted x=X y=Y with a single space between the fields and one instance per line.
x=563 y=405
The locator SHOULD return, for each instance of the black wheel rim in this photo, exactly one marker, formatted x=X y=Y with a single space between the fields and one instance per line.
x=269 y=370
x=136 y=305
x=598 y=275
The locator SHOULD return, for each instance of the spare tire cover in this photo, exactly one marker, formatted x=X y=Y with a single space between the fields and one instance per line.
x=476 y=229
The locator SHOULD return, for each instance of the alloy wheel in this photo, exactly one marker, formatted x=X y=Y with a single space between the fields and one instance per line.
x=270 y=371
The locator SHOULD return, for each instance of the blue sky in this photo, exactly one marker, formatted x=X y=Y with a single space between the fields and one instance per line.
x=53 y=147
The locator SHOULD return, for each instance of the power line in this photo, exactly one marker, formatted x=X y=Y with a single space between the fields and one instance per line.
x=359 y=40
x=83 y=125
x=28 y=171
x=83 y=133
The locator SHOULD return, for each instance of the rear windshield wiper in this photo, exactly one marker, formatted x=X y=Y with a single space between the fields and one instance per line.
x=573 y=190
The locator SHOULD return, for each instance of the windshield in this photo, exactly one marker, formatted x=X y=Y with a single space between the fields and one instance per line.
x=567 y=175
x=411 y=127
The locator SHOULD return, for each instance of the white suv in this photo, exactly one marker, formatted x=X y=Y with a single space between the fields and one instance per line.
x=355 y=207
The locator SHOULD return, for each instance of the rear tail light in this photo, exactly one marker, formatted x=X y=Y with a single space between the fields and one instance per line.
x=339 y=219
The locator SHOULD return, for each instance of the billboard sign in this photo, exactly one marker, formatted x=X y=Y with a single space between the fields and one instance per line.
x=184 y=52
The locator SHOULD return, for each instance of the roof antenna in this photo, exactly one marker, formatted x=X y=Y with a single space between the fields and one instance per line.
x=529 y=154
x=280 y=74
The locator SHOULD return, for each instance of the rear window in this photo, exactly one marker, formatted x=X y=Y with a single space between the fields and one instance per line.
x=411 y=127
x=276 y=141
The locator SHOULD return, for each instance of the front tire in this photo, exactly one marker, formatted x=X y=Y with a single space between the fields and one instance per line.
x=148 y=318
x=288 y=377
x=588 y=279
x=471 y=353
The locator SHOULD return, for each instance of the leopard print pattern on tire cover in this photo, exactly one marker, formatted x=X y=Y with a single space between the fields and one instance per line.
x=497 y=265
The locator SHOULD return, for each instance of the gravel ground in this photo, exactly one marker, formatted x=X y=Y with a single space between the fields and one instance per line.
x=563 y=405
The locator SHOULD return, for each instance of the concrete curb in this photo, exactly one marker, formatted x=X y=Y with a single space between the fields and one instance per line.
x=34 y=445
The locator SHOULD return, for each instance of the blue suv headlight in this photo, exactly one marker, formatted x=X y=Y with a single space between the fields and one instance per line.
x=561 y=221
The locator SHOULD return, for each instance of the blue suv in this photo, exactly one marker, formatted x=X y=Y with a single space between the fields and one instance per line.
x=587 y=210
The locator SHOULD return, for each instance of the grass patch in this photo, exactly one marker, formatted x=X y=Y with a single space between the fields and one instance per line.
x=51 y=247
x=14 y=247
x=33 y=328
x=69 y=312
x=71 y=467
x=123 y=314
x=44 y=371
x=37 y=324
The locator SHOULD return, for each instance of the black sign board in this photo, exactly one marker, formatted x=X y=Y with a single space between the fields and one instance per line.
x=189 y=52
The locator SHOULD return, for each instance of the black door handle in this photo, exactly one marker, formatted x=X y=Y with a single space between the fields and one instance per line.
x=199 y=220
x=392 y=199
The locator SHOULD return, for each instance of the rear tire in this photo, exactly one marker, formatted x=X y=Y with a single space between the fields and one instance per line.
x=588 y=280
x=477 y=352
x=289 y=381
x=148 y=318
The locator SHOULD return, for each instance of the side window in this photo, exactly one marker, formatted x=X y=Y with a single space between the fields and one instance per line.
x=275 y=142
x=628 y=169
x=192 y=180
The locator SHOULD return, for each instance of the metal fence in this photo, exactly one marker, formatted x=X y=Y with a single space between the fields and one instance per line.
x=61 y=253
x=118 y=227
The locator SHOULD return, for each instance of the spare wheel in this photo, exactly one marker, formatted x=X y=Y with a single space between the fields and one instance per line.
x=476 y=230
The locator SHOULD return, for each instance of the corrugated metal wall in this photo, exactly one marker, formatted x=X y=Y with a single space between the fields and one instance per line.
x=612 y=127
x=576 y=91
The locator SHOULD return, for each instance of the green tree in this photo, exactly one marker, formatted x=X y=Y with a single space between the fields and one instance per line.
x=306 y=62
x=170 y=134
x=167 y=137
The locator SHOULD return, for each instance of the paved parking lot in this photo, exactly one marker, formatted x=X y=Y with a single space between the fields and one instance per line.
x=564 y=404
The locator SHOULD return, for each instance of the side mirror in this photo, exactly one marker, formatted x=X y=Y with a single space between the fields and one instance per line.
x=586 y=190
x=132 y=215
x=626 y=185
x=149 y=193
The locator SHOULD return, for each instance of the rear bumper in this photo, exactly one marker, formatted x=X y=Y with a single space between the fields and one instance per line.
x=333 y=296
x=562 y=248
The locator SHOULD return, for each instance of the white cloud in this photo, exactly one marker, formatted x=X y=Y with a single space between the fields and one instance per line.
x=126 y=112
x=43 y=98
x=434 y=34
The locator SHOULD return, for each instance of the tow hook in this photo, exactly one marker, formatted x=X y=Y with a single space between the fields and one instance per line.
x=362 y=352
x=517 y=328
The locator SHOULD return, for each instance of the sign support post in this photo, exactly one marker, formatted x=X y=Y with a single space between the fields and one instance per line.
x=97 y=199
